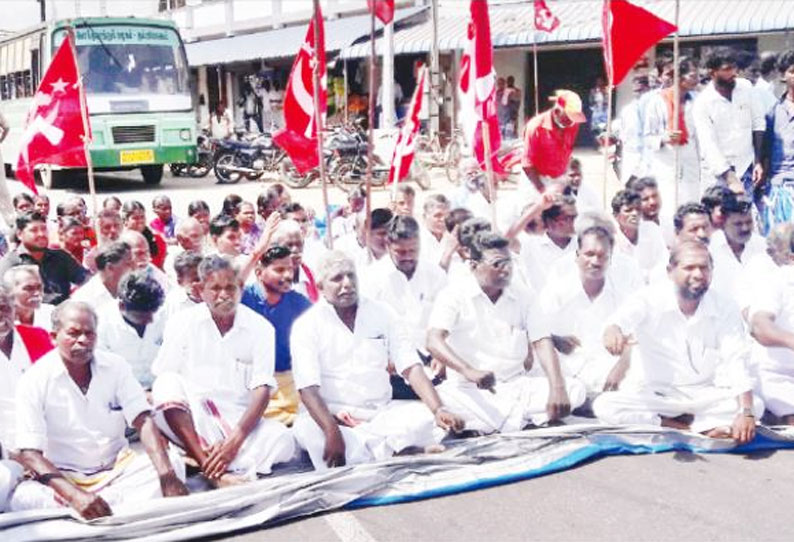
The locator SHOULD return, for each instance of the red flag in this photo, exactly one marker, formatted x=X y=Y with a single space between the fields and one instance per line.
x=545 y=20
x=629 y=31
x=54 y=128
x=403 y=155
x=299 y=135
x=383 y=9
x=477 y=85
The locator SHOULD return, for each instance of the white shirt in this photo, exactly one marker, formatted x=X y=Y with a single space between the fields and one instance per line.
x=725 y=127
x=117 y=336
x=224 y=367
x=42 y=317
x=11 y=369
x=775 y=296
x=76 y=431
x=412 y=299
x=489 y=336
x=680 y=352
x=432 y=249
x=732 y=277
x=175 y=302
x=571 y=312
x=650 y=249
x=350 y=367
x=538 y=254
x=95 y=293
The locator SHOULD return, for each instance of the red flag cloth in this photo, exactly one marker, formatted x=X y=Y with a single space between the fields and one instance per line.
x=299 y=135
x=403 y=155
x=54 y=128
x=383 y=9
x=545 y=20
x=36 y=340
x=629 y=31
x=477 y=85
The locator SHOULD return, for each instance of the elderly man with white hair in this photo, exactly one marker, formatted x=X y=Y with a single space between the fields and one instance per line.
x=24 y=283
x=142 y=257
x=342 y=349
x=189 y=238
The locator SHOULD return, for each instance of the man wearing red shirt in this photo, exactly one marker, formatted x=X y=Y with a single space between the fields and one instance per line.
x=549 y=138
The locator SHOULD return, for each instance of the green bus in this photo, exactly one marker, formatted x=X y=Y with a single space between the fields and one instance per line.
x=136 y=78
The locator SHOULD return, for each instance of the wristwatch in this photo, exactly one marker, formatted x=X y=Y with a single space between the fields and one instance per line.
x=747 y=412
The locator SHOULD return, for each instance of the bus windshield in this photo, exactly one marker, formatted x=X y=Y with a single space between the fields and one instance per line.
x=125 y=59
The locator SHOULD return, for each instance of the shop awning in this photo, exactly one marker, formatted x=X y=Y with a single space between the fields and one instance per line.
x=512 y=25
x=283 y=42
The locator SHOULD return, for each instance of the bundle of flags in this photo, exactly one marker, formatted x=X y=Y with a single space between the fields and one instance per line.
x=298 y=138
x=54 y=131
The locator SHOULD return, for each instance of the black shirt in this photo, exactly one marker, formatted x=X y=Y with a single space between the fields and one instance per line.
x=58 y=270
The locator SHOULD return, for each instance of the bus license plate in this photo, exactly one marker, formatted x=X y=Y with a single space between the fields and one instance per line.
x=137 y=156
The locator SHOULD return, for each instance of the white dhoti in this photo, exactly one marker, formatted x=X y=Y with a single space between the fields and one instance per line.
x=518 y=401
x=662 y=168
x=214 y=419
x=132 y=480
x=10 y=475
x=592 y=368
x=711 y=406
x=777 y=391
x=389 y=430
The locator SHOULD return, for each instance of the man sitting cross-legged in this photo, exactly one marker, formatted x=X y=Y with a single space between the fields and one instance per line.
x=484 y=327
x=214 y=378
x=341 y=349
x=73 y=407
x=686 y=334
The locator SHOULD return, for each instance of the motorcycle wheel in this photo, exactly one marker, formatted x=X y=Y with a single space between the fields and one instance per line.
x=222 y=172
x=293 y=178
x=452 y=160
x=177 y=170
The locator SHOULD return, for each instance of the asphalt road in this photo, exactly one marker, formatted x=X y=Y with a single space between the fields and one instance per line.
x=672 y=496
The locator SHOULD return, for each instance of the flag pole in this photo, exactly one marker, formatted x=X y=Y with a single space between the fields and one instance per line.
x=486 y=141
x=318 y=116
x=676 y=103
x=371 y=130
x=86 y=125
x=535 y=64
x=610 y=77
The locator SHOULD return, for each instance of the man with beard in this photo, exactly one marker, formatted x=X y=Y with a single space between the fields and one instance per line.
x=214 y=378
x=484 y=330
x=341 y=350
x=272 y=296
x=686 y=334
x=637 y=239
x=730 y=125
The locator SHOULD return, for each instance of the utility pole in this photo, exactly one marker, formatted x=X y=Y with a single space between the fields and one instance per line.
x=43 y=10
x=435 y=87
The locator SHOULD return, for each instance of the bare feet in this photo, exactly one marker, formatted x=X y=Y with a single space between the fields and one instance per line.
x=227 y=480
x=719 y=432
x=683 y=422
x=787 y=420
x=435 y=449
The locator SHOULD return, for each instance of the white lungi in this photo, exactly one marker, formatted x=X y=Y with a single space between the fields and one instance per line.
x=132 y=480
x=777 y=390
x=711 y=406
x=392 y=428
x=518 y=401
x=214 y=419
x=10 y=476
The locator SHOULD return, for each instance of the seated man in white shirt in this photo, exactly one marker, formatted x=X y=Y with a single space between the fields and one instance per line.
x=108 y=229
x=651 y=205
x=691 y=223
x=214 y=379
x=189 y=238
x=636 y=238
x=73 y=407
x=404 y=199
x=363 y=250
x=772 y=325
x=484 y=329
x=142 y=257
x=24 y=283
x=577 y=303
x=686 y=334
x=133 y=328
x=341 y=349
x=113 y=261
x=540 y=252
x=227 y=239
x=435 y=210
x=187 y=292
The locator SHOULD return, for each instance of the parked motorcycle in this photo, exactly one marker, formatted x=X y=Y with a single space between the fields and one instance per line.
x=246 y=157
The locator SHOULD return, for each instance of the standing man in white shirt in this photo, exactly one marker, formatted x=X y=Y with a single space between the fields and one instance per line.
x=772 y=325
x=730 y=125
x=484 y=329
x=577 y=304
x=113 y=261
x=133 y=328
x=214 y=378
x=686 y=334
x=73 y=407
x=342 y=348
x=630 y=129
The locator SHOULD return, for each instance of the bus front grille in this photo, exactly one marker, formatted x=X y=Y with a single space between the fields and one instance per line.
x=133 y=134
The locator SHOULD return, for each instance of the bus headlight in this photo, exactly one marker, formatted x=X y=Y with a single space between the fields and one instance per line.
x=184 y=134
